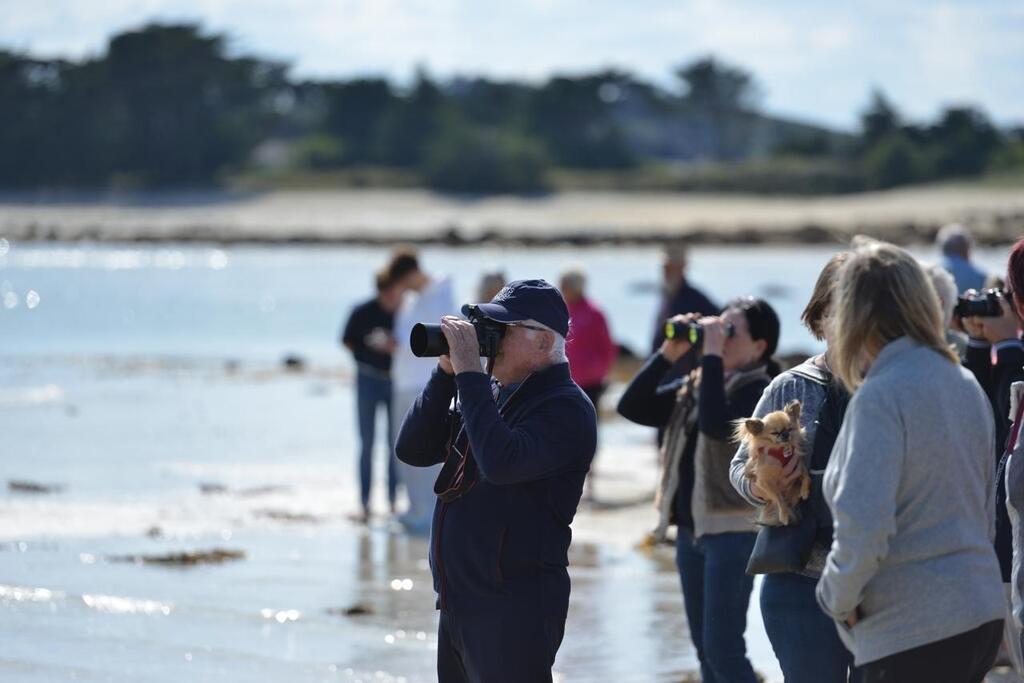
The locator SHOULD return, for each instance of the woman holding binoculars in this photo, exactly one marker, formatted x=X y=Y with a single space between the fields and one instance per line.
x=715 y=527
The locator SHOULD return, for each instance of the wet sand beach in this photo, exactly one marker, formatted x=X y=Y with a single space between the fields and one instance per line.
x=277 y=583
x=907 y=216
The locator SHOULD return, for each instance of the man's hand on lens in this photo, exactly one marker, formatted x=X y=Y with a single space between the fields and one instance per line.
x=463 y=347
x=674 y=349
x=714 y=335
x=973 y=325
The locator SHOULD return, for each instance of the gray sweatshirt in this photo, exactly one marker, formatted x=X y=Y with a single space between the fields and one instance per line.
x=910 y=486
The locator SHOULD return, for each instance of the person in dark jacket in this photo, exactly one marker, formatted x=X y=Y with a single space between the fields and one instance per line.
x=996 y=375
x=368 y=335
x=715 y=524
x=516 y=451
x=999 y=334
x=678 y=297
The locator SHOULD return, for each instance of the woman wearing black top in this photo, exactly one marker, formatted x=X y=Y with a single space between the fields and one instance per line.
x=715 y=527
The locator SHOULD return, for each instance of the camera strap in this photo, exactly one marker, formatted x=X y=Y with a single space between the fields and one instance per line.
x=459 y=471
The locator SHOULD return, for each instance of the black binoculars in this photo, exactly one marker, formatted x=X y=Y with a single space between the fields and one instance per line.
x=691 y=332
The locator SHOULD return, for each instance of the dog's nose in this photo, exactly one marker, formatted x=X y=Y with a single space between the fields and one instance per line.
x=784 y=436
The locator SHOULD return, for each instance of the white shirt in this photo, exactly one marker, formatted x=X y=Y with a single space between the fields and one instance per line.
x=407 y=371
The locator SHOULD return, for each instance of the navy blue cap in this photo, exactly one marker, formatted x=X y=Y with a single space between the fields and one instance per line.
x=527 y=300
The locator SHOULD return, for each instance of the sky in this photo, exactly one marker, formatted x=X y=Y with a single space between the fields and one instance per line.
x=815 y=61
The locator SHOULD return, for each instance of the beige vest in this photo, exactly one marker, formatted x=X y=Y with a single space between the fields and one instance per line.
x=716 y=506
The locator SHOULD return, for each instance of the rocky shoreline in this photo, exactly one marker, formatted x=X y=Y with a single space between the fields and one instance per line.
x=380 y=217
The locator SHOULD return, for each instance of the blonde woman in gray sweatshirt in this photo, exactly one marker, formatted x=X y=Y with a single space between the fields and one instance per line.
x=911 y=579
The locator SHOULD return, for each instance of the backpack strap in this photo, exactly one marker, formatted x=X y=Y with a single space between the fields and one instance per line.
x=813 y=373
x=1015 y=430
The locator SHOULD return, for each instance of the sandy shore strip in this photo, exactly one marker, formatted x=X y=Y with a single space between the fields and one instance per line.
x=995 y=214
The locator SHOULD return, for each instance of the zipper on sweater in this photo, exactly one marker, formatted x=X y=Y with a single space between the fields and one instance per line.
x=438 y=562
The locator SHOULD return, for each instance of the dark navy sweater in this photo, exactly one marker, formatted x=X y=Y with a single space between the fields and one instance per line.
x=504 y=543
x=996 y=380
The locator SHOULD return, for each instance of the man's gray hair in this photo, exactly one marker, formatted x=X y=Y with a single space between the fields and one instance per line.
x=945 y=287
x=557 y=354
x=954 y=240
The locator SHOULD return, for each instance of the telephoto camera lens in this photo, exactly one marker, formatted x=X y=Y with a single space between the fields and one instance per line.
x=985 y=307
x=427 y=341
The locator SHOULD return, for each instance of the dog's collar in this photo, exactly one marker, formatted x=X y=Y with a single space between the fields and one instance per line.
x=781 y=453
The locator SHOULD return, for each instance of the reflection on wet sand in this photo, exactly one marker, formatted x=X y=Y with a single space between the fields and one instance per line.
x=626 y=619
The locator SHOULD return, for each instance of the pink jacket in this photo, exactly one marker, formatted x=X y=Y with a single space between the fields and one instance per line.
x=589 y=347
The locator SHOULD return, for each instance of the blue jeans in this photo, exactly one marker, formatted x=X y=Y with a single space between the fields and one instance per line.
x=716 y=593
x=804 y=638
x=371 y=392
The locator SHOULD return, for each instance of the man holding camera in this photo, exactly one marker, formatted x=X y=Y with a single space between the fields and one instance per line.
x=995 y=355
x=516 y=452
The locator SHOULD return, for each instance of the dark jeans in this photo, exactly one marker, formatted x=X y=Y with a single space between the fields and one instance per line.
x=803 y=637
x=963 y=658
x=498 y=647
x=716 y=593
x=373 y=391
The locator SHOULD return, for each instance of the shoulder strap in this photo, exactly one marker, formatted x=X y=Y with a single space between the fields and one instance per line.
x=813 y=373
x=1015 y=430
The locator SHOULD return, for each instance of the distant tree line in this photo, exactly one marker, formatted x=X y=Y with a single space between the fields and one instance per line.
x=171 y=106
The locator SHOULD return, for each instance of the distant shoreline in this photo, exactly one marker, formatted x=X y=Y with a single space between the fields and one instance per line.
x=382 y=217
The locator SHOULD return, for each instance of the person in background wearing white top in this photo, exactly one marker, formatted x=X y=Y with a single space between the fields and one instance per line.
x=426 y=299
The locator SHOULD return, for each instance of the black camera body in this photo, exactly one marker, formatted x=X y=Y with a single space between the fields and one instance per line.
x=986 y=307
x=426 y=340
x=691 y=332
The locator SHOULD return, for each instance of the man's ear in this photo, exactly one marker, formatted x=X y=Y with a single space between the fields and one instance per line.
x=546 y=341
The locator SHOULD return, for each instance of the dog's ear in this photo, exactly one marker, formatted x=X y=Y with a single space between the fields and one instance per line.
x=793 y=410
x=746 y=428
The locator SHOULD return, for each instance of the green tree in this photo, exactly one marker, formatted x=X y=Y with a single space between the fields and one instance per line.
x=879 y=120
x=183 y=109
x=964 y=142
x=354 y=110
x=576 y=125
x=894 y=160
x=482 y=162
x=723 y=97
x=412 y=123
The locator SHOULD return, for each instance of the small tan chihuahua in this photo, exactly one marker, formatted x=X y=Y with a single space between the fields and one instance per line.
x=771 y=443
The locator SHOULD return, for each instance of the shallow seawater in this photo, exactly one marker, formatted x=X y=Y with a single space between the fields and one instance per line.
x=132 y=451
